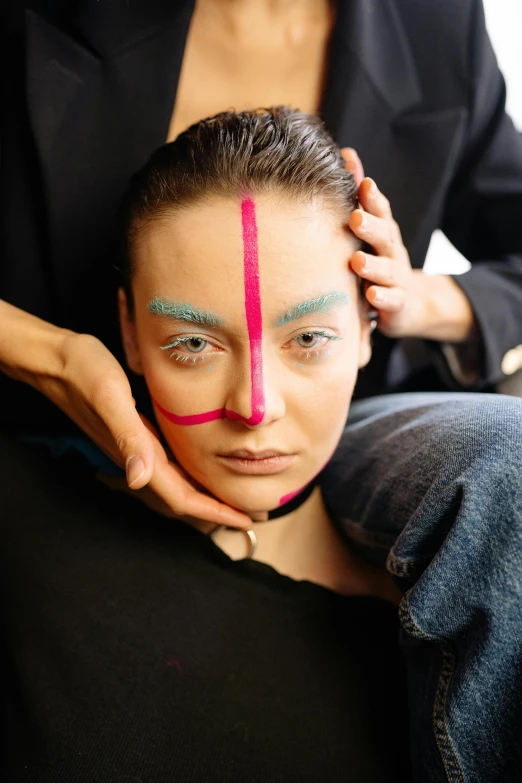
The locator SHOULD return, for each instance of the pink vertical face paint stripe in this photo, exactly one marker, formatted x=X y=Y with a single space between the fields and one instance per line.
x=255 y=332
x=253 y=309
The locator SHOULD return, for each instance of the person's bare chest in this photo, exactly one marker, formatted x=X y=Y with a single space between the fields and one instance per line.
x=278 y=62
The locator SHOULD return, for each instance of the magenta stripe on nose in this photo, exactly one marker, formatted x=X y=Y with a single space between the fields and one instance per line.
x=253 y=313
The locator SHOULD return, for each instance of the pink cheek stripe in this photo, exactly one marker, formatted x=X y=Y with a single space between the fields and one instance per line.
x=292 y=495
x=255 y=332
x=196 y=418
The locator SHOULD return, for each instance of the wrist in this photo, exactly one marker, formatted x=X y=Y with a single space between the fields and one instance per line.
x=32 y=349
x=447 y=315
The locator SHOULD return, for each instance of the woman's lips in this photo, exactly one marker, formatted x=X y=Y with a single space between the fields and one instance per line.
x=256 y=463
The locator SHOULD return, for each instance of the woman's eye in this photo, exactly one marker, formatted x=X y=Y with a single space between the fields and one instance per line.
x=195 y=344
x=187 y=348
x=313 y=345
x=308 y=339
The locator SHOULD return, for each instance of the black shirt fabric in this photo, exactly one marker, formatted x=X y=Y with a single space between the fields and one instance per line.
x=138 y=651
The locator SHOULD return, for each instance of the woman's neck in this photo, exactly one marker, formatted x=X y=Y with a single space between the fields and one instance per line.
x=273 y=7
x=305 y=523
x=247 y=19
x=305 y=545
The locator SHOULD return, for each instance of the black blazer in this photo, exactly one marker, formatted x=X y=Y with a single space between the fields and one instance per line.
x=412 y=85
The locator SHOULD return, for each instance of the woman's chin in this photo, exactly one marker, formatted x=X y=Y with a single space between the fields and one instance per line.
x=253 y=503
x=252 y=496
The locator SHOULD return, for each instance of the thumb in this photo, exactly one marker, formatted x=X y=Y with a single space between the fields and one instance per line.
x=132 y=440
x=135 y=445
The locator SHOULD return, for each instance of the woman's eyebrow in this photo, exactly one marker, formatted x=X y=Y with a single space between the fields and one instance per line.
x=321 y=304
x=183 y=311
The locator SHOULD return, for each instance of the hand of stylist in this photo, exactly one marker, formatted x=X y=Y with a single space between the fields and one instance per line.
x=79 y=375
x=409 y=303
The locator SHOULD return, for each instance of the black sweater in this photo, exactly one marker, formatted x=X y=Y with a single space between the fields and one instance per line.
x=138 y=651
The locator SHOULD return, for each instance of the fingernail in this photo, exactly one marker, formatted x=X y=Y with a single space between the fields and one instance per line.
x=362 y=224
x=135 y=469
x=365 y=267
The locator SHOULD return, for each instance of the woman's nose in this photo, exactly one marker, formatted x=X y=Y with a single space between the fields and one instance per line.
x=255 y=396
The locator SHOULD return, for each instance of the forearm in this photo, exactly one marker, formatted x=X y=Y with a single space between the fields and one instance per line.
x=447 y=315
x=30 y=348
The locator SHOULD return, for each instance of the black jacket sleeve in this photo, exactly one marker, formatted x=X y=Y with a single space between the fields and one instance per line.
x=483 y=210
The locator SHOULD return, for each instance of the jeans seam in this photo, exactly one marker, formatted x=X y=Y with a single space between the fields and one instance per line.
x=444 y=744
x=402 y=567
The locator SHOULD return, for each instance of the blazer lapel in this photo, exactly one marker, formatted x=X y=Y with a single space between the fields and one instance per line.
x=374 y=103
x=369 y=53
x=98 y=109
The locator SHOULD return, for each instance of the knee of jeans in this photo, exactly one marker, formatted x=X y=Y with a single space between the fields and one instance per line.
x=484 y=427
x=482 y=460
x=471 y=498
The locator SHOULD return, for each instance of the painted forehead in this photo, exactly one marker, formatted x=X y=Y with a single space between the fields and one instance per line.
x=295 y=241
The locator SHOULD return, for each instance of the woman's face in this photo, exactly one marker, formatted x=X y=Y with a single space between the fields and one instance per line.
x=249 y=331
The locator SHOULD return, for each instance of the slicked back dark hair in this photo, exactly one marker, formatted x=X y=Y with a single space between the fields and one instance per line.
x=268 y=150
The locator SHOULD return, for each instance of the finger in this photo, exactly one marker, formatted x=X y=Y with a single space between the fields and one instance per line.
x=149 y=425
x=135 y=449
x=172 y=485
x=381 y=270
x=260 y=516
x=372 y=200
x=353 y=164
x=381 y=234
x=390 y=300
x=185 y=500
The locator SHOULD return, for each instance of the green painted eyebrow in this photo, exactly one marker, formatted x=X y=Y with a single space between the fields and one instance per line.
x=321 y=304
x=182 y=311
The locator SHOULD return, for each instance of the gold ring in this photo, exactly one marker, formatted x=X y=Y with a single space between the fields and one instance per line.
x=250 y=533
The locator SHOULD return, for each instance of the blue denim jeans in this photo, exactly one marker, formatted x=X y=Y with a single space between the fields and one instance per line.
x=431 y=485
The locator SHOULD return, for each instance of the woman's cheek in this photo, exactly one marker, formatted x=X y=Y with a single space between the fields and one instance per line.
x=156 y=370
x=320 y=413
x=330 y=387
x=183 y=388
x=183 y=442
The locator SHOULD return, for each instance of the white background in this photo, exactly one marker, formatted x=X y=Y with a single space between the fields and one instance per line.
x=504 y=22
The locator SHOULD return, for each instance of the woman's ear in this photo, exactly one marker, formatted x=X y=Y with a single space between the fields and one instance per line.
x=129 y=335
x=365 y=342
x=367 y=320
